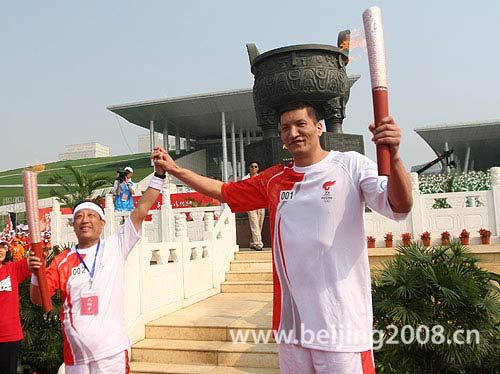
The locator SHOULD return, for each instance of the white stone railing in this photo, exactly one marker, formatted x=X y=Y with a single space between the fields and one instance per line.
x=181 y=258
x=463 y=210
x=166 y=276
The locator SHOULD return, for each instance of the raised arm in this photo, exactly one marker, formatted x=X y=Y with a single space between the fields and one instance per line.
x=204 y=185
x=149 y=196
x=398 y=183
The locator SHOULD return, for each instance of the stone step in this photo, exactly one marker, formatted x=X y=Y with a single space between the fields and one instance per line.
x=156 y=368
x=253 y=255
x=253 y=286
x=196 y=352
x=250 y=275
x=250 y=328
x=256 y=265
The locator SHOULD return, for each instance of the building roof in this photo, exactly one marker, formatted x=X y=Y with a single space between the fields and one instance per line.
x=483 y=137
x=198 y=114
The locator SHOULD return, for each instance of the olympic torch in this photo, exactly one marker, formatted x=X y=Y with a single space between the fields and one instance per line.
x=374 y=34
x=31 y=201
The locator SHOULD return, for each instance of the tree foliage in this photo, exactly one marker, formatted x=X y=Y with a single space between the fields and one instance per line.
x=437 y=286
x=80 y=187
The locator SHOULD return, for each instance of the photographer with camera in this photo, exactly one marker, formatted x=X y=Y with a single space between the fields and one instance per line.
x=123 y=190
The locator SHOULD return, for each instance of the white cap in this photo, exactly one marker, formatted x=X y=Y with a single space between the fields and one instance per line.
x=128 y=168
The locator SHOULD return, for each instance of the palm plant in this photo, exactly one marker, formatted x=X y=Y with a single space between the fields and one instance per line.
x=81 y=187
x=437 y=286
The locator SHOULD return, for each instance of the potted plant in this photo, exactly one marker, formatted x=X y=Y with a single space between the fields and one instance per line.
x=426 y=238
x=371 y=241
x=464 y=237
x=445 y=238
x=406 y=238
x=485 y=236
x=388 y=240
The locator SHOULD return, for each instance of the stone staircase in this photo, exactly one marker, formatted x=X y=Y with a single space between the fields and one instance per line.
x=198 y=339
x=251 y=271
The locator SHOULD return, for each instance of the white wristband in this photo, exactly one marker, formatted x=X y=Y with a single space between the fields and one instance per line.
x=34 y=280
x=156 y=183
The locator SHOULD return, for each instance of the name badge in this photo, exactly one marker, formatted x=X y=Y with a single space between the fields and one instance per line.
x=286 y=195
x=89 y=302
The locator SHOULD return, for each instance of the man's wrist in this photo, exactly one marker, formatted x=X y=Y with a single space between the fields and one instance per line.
x=159 y=175
x=34 y=280
x=157 y=182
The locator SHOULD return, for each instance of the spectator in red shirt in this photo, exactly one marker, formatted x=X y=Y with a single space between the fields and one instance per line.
x=11 y=333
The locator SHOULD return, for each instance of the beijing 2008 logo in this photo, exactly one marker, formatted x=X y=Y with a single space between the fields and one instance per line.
x=327 y=197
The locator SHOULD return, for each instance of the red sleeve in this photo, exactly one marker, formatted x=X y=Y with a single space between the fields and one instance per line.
x=21 y=270
x=52 y=274
x=249 y=194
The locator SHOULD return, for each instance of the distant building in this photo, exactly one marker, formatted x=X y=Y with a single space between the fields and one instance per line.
x=475 y=144
x=85 y=150
x=143 y=142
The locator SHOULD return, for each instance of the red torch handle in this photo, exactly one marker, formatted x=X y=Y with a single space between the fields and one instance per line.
x=42 y=279
x=381 y=110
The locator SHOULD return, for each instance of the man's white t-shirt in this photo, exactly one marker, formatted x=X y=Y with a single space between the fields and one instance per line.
x=90 y=338
x=322 y=284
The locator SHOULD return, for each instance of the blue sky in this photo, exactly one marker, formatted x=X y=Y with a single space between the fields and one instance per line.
x=63 y=63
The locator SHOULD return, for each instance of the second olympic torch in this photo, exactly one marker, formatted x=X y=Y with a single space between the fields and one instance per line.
x=31 y=201
x=374 y=34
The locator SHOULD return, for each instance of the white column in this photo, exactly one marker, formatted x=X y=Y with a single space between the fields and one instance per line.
x=242 y=154
x=177 y=140
x=151 y=137
x=224 y=148
x=109 y=211
x=467 y=156
x=417 y=212
x=495 y=189
x=233 y=152
x=56 y=222
x=165 y=137
x=167 y=215
x=188 y=141
x=248 y=136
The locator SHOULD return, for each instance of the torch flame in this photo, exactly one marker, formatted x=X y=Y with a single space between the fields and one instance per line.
x=38 y=168
x=356 y=41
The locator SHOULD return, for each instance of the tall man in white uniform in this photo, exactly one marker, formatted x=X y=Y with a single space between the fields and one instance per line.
x=322 y=289
x=91 y=277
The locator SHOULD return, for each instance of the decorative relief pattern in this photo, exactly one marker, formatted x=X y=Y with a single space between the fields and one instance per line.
x=317 y=76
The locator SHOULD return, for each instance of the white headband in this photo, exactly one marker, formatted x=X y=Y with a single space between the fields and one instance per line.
x=89 y=205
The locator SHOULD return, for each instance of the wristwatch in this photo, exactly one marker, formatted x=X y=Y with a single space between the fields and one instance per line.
x=161 y=176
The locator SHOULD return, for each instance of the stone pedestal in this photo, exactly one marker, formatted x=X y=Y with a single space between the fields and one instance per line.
x=267 y=152
x=342 y=142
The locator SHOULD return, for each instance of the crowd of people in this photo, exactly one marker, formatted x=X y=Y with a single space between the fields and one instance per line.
x=18 y=243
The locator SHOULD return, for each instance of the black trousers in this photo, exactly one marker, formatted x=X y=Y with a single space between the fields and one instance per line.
x=9 y=353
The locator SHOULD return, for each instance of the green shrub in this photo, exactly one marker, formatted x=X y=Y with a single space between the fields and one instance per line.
x=42 y=347
x=444 y=289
